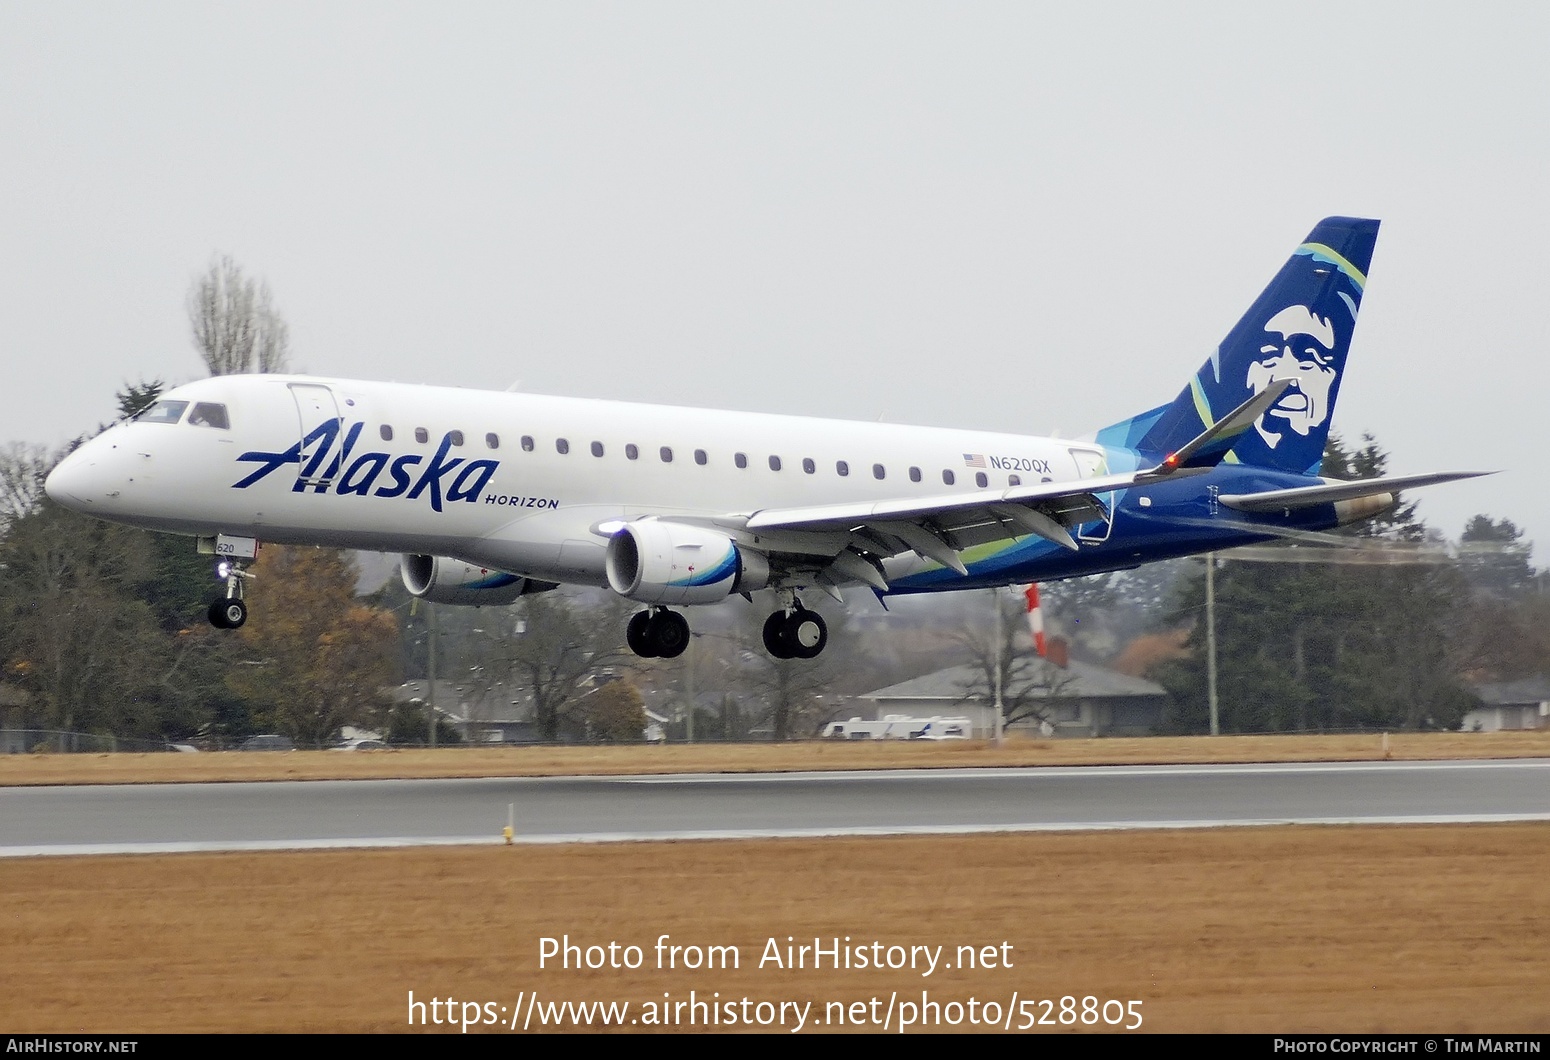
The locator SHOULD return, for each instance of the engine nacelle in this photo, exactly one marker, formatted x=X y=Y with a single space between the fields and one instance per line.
x=451 y=581
x=1359 y=508
x=668 y=563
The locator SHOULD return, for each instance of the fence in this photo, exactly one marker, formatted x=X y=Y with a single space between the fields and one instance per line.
x=25 y=741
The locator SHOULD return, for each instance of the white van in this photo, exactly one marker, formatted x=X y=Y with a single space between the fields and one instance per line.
x=900 y=727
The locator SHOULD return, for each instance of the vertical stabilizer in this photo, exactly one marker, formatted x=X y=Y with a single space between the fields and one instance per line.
x=1299 y=329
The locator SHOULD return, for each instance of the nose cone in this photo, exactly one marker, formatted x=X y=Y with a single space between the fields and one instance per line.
x=71 y=482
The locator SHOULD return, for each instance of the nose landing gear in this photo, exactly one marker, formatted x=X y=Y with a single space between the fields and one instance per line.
x=228 y=614
x=228 y=611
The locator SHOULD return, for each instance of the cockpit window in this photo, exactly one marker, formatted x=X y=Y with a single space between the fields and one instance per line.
x=209 y=414
x=163 y=412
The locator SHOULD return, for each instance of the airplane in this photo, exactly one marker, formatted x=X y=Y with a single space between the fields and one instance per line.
x=493 y=495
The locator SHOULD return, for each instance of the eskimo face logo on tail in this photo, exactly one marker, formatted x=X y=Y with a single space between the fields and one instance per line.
x=1300 y=346
x=455 y=479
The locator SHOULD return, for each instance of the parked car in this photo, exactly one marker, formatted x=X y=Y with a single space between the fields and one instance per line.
x=267 y=742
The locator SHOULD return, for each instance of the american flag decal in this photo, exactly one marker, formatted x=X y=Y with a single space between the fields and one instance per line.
x=973 y=460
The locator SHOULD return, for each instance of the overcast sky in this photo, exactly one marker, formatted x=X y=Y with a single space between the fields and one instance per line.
x=1024 y=217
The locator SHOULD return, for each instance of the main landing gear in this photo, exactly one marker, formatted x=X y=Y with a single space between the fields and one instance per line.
x=228 y=611
x=793 y=632
x=657 y=633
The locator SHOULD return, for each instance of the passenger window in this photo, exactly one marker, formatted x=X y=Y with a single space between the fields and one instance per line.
x=841 y=468
x=163 y=412
x=631 y=452
x=562 y=446
x=774 y=466
x=740 y=459
x=948 y=477
x=387 y=436
x=980 y=480
x=491 y=441
x=807 y=465
x=422 y=435
x=1011 y=480
x=209 y=414
x=667 y=458
x=597 y=450
x=877 y=473
x=456 y=438
x=914 y=477
x=699 y=458
x=527 y=447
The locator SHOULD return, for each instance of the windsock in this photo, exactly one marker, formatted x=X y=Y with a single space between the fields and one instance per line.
x=1035 y=617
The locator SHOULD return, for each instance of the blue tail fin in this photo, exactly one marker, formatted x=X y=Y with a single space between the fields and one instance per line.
x=1298 y=329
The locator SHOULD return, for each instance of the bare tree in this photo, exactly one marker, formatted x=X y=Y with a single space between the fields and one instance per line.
x=23 y=467
x=795 y=697
x=567 y=644
x=235 y=325
x=1029 y=683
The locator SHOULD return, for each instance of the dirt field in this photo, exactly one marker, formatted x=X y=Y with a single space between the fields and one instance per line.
x=747 y=758
x=1440 y=929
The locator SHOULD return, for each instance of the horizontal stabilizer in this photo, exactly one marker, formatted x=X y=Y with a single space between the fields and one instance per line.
x=1329 y=492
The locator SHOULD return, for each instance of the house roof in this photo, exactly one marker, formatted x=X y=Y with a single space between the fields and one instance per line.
x=1534 y=689
x=1078 y=681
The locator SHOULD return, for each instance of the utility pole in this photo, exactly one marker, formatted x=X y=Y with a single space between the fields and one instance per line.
x=689 y=680
x=1216 y=728
x=430 y=693
x=995 y=599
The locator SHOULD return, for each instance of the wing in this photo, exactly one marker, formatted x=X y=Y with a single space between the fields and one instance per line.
x=849 y=541
x=940 y=527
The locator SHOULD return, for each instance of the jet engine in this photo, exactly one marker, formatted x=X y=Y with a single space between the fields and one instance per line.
x=1359 y=508
x=669 y=563
x=451 y=581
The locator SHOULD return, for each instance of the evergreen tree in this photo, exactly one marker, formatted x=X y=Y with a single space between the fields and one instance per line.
x=1306 y=646
x=1494 y=558
x=135 y=398
x=73 y=631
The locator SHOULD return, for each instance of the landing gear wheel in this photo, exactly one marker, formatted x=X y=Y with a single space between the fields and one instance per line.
x=805 y=633
x=775 y=636
x=228 y=614
x=638 y=636
x=668 y=632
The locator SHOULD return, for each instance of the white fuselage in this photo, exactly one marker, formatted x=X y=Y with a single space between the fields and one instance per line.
x=528 y=484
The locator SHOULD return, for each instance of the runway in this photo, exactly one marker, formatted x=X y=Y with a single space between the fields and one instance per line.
x=298 y=815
